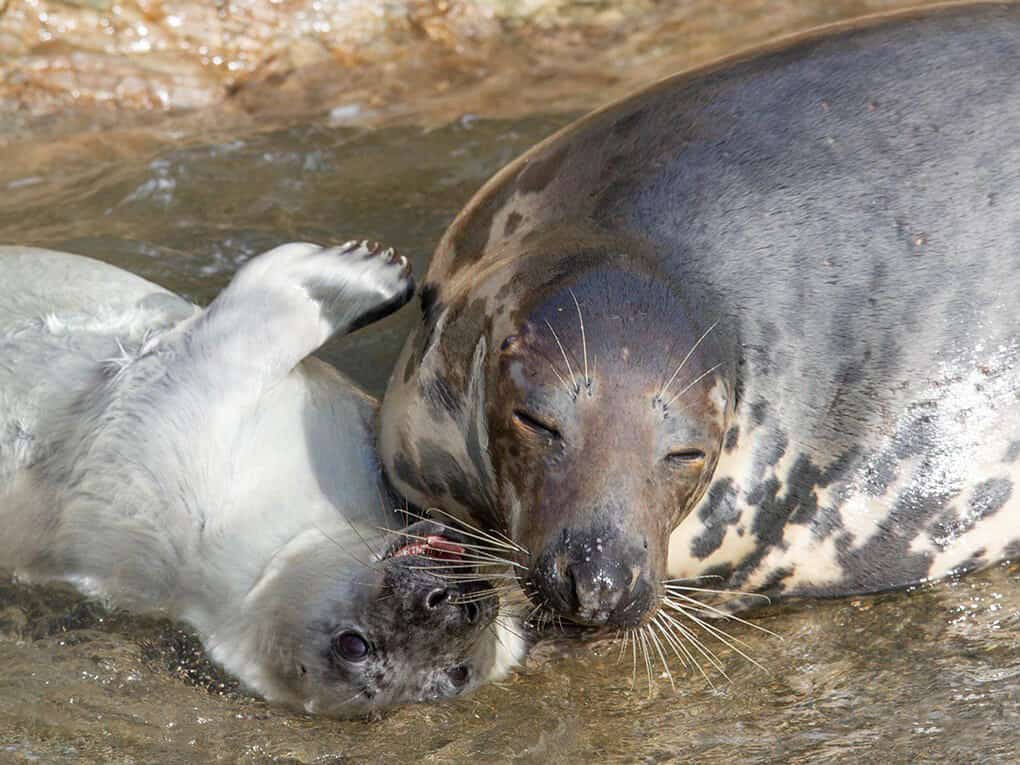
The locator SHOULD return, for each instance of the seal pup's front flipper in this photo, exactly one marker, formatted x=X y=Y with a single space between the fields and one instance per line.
x=285 y=303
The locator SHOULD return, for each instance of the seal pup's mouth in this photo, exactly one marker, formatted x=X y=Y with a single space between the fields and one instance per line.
x=432 y=546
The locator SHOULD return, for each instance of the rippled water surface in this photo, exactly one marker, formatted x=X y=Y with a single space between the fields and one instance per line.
x=929 y=675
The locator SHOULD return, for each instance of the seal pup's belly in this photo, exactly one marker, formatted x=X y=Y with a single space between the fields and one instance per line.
x=60 y=316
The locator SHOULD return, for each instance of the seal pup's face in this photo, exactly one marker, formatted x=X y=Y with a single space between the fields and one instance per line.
x=588 y=446
x=344 y=636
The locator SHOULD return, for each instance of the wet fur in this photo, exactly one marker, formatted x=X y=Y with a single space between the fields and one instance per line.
x=844 y=208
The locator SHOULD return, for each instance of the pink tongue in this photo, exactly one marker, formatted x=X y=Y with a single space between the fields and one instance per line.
x=432 y=546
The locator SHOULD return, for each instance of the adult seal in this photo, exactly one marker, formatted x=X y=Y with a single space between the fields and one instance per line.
x=758 y=321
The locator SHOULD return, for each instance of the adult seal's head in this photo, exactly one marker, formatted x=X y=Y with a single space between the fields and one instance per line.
x=565 y=392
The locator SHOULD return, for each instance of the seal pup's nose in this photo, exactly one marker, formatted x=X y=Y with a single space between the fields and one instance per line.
x=442 y=601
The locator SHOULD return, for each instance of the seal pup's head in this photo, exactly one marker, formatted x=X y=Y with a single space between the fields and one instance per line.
x=576 y=404
x=333 y=628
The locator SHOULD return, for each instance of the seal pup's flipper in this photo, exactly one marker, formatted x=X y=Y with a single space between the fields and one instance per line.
x=285 y=303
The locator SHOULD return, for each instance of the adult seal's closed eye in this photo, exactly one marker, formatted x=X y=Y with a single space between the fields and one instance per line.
x=198 y=463
x=757 y=321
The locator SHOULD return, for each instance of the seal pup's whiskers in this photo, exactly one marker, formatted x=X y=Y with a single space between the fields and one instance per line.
x=665 y=387
x=343 y=549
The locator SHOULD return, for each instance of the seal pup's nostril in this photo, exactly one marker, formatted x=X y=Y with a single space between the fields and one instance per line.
x=436 y=598
x=471 y=613
x=459 y=676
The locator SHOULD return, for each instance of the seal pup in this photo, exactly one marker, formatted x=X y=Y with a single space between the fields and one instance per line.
x=199 y=463
x=758 y=321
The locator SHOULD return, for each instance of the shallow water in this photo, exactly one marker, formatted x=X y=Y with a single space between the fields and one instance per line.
x=929 y=675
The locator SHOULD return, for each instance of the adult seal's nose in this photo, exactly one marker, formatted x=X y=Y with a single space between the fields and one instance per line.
x=599 y=587
x=593 y=581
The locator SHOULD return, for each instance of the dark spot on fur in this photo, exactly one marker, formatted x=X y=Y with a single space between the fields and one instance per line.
x=732 y=438
x=758 y=411
x=975 y=561
x=724 y=572
x=1012 y=452
x=989 y=497
x=404 y=469
x=774 y=582
x=470 y=235
x=879 y=474
x=431 y=310
x=761 y=493
x=427 y=300
x=770 y=449
x=441 y=398
x=539 y=173
x=919 y=434
x=513 y=220
x=628 y=122
x=445 y=476
x=718 y=511
x=886 y=558
x=413 y=358
x=466 y=324
x=1012 y=551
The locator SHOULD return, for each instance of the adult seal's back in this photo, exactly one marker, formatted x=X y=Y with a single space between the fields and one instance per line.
x=759 y=320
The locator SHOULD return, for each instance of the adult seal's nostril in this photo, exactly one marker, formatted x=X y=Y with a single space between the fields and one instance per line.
x=471 y=612
x=599 y=588
x=594 y=579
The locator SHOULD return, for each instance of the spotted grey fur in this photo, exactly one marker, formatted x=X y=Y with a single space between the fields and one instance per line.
x=844 y=209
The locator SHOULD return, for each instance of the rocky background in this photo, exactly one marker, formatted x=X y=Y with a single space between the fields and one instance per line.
x=361 y=61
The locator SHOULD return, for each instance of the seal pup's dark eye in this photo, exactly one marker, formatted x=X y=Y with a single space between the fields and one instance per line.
x=351 y=646
x=685 y=456
x=535 y=425
x=458 y=676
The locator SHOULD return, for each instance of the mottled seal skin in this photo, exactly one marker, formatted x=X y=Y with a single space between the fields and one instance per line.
x=195 y=463
x=824 y=238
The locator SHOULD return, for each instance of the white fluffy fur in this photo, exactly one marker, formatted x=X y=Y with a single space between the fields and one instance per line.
x=193 y=462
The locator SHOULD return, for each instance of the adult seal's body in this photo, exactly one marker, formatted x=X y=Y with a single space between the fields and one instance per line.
x=759 y=320
x=195 y=462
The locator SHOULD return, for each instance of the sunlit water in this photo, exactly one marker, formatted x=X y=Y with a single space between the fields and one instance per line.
x=928 y=675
